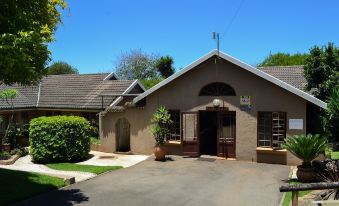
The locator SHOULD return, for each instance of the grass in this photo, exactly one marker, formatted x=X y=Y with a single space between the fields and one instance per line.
x=335 y=155
x=82 y=168
x=288 y=195
x=18 y=185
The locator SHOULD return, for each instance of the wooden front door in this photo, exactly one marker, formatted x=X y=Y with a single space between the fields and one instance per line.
x=226 y=134
x=189 y=133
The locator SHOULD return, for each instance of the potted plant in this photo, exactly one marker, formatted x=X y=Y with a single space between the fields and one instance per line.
x=306 y=148
x=161 y=119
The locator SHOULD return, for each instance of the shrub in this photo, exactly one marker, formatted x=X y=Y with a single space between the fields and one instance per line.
x=4 y=155
x=161 y=119
x=306 y=147
x=59 y=139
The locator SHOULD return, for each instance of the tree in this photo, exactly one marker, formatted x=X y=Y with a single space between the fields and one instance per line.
x=322 y=70
x=7 y=96
x=331 y=116
x=164 y=66
x=136 y=64
x=26 y=27
x=284 y=59
x=61 y=68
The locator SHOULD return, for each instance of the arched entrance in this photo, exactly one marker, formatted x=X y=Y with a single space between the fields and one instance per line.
x=122 y=128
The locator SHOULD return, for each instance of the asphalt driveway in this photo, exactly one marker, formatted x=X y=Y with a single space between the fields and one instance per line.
x=183 y=181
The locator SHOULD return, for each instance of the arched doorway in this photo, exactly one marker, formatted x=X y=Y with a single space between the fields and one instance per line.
x=122 y=128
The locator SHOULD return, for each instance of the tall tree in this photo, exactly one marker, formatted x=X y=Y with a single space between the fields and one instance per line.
x=322 y=70
x=165 y=66
x=26 y=27
x=61 y=68
x=136 y=64
x=284 y=59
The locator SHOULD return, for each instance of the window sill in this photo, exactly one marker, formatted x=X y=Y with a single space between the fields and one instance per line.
x=173 y=142
x=266 y=150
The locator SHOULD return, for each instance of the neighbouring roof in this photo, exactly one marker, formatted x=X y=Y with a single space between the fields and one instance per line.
x=293 y=75
x=71 y=91
x=242 y=65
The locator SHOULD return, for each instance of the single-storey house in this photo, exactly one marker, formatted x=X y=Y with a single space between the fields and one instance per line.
x=69 y=94
x=219 y=106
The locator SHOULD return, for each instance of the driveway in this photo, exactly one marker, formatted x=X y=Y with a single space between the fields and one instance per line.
x=183 y=181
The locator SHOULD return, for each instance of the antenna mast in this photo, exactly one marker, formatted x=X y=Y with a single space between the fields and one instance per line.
x=216 y=38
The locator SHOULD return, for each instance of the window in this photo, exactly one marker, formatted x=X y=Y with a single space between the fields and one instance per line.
x=174 y=128
x=271 y=129
x=217 y=89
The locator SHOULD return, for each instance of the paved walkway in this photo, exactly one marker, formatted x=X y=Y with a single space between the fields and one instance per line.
x=183 y=181
x=98 y=158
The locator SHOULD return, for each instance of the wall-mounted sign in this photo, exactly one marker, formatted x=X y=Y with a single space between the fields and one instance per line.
x=296 y=124
x=245 y=103
x=245 y=100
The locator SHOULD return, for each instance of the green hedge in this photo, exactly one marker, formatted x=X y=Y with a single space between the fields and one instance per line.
x=59 y=139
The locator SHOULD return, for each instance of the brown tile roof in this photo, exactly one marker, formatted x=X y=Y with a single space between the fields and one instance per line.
x=72 y=91
x=293 y=75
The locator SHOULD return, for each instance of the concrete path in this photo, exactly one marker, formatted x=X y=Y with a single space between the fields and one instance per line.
x=183 y=181
x=98 y=158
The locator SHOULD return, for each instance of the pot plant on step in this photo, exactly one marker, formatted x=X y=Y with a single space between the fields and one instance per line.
x=306 y=148
x=161 y=120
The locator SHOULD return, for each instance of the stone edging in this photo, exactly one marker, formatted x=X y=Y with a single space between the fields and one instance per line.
x=10 y=160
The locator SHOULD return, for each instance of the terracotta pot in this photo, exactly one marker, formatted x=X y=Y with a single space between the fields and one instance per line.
x=6 y=147
x=306 y=174
x=160 y=153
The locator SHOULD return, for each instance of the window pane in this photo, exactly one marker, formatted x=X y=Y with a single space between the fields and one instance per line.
x=174 y=128
x=278 y=128
x=264 y=129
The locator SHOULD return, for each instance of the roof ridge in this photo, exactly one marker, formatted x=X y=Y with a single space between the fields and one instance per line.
x=282 y=66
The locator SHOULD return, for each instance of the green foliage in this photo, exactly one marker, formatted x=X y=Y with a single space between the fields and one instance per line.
x=26 y=27
x=331 y=116
x=161 y=119
x=8 y=94
x=95 y=140
x=18 y=185
x=284 y=59
x=322 y=70
x=306 y=147
x=61 y=68
x=14 y=131
x=149 y=83
x=4 y=155
x=59 y=139
x=82 y=168
x=136 y=64
x=164 y=66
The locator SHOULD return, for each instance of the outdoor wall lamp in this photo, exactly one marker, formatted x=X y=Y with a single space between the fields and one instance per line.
x=216 y=102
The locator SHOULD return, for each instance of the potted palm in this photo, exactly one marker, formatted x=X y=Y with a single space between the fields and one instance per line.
x=161 y=119
x=306 y=148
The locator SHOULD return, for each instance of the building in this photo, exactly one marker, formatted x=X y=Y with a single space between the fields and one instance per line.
x=220 y=106
x=70 y=94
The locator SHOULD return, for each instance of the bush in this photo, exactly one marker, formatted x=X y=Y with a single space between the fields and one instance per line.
x=4 y=155
x=306 y=147
x=59 y=139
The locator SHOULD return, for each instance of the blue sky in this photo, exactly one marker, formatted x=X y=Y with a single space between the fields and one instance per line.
x=95 y=33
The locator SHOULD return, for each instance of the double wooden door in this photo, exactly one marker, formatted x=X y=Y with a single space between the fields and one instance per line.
x=226 y=134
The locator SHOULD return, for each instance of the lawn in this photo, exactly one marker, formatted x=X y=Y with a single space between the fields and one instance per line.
x=82 y=168
x=335 y=155
x=288 y=196
x=18 y=185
